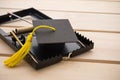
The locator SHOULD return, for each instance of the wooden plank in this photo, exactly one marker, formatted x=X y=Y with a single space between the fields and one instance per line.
x=63 y=70
x=74 y=5
x=84 y=21
x=106 y=47
x=89 y=21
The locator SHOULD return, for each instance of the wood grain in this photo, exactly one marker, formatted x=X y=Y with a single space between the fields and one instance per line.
x=74 y=5
x=98 y=20
x=84 y=21
x=106 y=46
x=63 y=70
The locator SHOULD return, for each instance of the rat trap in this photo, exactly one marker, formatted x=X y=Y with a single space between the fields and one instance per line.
x=47 y=47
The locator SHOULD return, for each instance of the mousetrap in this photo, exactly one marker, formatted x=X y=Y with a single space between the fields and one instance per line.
x=47 y=48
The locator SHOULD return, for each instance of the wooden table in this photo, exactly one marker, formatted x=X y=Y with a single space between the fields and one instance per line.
x=98 y=20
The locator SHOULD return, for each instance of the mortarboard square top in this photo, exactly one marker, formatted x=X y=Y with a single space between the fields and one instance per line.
x=63 y=34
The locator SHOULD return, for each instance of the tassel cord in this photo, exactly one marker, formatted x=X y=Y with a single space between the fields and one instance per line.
x=20 y=54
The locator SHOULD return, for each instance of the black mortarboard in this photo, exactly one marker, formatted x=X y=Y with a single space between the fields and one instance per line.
x=63 y=34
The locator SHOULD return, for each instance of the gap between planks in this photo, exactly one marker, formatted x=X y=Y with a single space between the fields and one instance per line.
x=77 y=60
x=92 y=60
x=102 y=31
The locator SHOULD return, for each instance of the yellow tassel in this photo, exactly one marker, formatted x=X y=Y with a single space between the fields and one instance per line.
x=19 y=55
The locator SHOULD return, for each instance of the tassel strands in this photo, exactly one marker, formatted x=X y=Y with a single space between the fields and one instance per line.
x=20 y=54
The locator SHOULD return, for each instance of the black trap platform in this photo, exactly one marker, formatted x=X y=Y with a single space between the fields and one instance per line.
x=44 y=53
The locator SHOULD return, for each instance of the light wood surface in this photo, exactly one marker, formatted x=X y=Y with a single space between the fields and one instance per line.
x=65 y=70
x=106 y=46
x=98 y=20
x=65 y=5
x=84 y=21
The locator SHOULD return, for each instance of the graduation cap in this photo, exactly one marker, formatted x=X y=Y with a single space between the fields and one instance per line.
x=63 y=34
x=48 y=47
x=49 y=43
